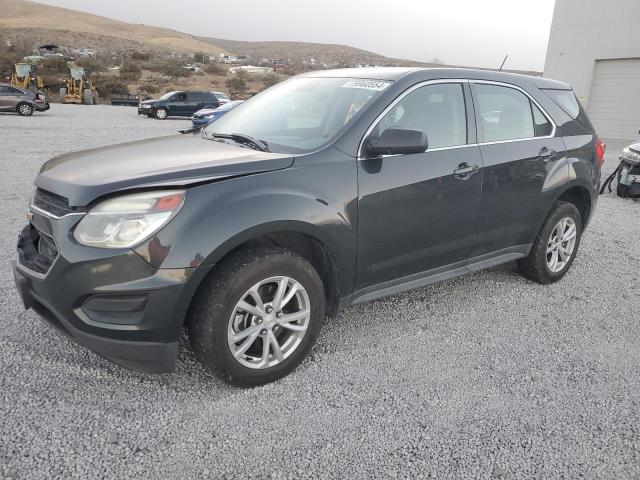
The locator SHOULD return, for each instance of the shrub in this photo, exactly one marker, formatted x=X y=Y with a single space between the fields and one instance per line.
x=174 y=70
x=141 y=56
x=130 y=72
x=149 y=88
x=236 y=84
x=269 y=80
x=215 y=69
x=108 y=85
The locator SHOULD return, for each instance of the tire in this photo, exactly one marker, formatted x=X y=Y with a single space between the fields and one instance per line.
x=538 y=265
x=161 y=113
x=87 y=96
x=25 y=109
x=215 y=311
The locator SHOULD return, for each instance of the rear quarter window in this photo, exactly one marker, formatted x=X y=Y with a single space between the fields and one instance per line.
x=566 y=100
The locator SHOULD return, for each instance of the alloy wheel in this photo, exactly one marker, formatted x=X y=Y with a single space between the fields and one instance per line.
x=269 y=322
x=561 y=244
x=25 y=109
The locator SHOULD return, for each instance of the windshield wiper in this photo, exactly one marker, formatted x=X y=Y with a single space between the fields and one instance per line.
x=244 y=139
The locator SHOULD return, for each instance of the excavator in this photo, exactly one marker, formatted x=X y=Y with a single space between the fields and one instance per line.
x=25 y=77
x=80 y=89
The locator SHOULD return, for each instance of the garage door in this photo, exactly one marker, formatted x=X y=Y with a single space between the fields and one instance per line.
x=614 y=103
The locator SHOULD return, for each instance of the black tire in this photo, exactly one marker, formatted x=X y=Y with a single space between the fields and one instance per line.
x=216 y=300
x=161 y=113
x=25 y=109
x=534 y=267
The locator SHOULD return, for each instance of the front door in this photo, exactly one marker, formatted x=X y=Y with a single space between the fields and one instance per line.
x=179 y=105
x=417 y=212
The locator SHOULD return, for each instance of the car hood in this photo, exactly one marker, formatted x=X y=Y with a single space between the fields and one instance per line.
x=177 y=160
x=635 y=147
x=149 y=102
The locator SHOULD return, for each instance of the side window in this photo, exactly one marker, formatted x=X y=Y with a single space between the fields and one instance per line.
x=438 y=110
x=508 y=114
x=4 y=90
x=541 y=124
x=15 y=91
x=179 y=97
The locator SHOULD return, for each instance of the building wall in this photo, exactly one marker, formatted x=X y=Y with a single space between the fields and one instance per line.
x=583 y=31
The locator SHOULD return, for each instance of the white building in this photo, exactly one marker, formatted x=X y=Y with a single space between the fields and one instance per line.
x=595 y=46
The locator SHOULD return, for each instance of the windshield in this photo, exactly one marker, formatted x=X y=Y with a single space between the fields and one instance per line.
x=167 y=95
x=299 y=115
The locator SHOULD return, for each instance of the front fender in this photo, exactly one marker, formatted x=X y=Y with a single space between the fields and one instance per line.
x=218 y=217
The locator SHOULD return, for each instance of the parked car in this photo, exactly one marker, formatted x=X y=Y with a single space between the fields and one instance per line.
x=180 y=104
x=330 y=189
x=23 y=102
x=208 y=115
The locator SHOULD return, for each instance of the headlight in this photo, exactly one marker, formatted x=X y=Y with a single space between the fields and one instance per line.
x=124 y=221
x=630 y=155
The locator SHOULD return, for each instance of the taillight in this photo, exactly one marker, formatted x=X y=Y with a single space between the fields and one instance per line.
x=600 y=151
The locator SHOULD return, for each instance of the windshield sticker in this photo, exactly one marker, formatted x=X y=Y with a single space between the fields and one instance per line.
x=376 y=85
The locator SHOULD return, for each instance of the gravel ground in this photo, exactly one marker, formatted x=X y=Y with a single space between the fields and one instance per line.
x=485 y=376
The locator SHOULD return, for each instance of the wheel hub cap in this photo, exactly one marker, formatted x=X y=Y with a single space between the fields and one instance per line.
x=561 y=245
x=268 y=322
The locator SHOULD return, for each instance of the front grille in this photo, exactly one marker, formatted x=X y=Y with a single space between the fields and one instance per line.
x=51 y=203
x=36 y=251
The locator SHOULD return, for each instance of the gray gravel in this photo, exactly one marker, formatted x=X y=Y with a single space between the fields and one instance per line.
x=485 y=376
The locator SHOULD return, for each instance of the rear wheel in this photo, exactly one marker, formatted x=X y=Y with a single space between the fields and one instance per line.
x=256 y=317
x=555 y=247
x=161 y=113
x=25 y=109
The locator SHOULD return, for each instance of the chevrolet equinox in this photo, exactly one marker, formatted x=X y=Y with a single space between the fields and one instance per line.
x=330 y=189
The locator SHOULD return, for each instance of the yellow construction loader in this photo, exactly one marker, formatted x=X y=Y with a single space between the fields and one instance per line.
x=25 y=77
x=80 y=88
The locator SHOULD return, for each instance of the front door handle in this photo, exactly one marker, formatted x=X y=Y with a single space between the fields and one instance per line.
x=464 y=171
x=546 y=153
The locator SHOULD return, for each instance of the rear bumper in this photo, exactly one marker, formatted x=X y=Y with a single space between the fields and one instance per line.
x=41 y=106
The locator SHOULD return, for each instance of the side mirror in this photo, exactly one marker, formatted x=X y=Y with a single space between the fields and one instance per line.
x=396 y=141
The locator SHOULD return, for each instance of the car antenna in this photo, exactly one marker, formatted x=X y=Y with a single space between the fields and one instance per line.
x=503 y=62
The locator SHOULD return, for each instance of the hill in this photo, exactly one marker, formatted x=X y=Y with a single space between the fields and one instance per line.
x=23 y=20
x=299 y=52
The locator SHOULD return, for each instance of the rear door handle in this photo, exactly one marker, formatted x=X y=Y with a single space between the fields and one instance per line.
x=464 y=171
x=546 y=153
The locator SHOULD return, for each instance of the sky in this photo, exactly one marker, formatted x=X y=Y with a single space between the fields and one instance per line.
x=476 y=33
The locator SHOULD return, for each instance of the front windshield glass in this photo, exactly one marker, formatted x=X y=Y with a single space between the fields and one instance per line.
x=299 y=115
x=167 y=95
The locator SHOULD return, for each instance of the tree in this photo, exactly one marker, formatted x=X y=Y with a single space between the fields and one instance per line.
x=215 y=69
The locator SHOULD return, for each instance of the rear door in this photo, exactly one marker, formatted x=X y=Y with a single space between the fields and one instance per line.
x=521 y=154
x=417 y=212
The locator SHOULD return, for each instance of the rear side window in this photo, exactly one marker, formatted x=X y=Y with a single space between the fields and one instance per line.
x=438 y=110
x=508 y=114
x=566 y=100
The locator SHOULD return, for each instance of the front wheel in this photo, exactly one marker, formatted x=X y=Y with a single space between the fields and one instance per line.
x=555 y=247
x=25 y=109
x=161 y=113
x=257 y=316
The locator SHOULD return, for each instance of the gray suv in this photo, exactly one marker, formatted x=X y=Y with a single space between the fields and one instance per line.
x=23 y=102
x=327 y=190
